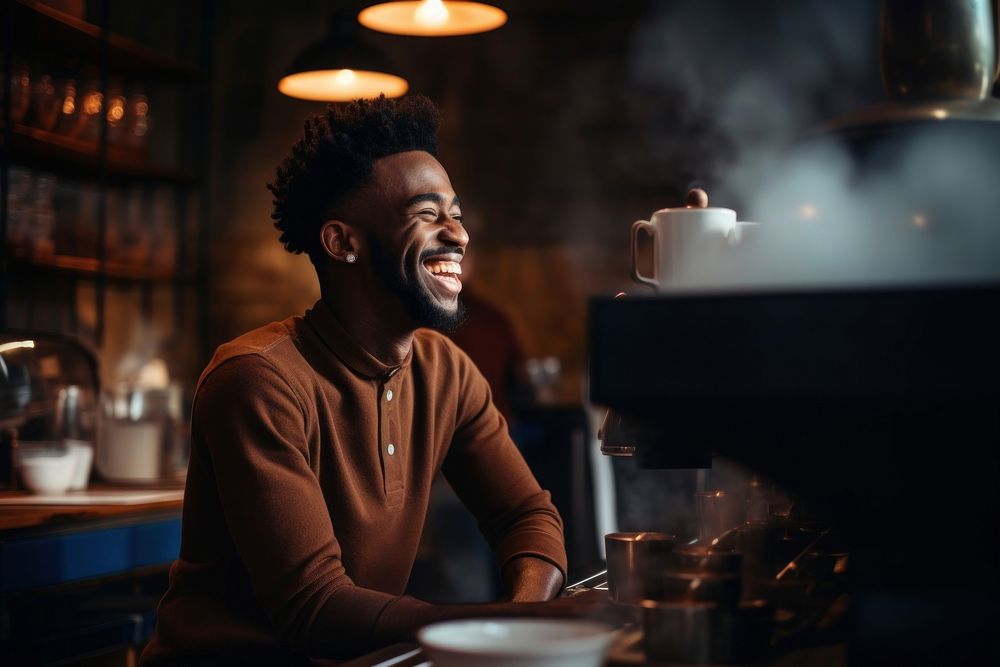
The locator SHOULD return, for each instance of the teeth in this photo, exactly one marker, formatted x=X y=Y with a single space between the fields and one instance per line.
x=444 y=267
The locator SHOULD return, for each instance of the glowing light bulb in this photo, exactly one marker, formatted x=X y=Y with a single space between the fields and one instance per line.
x=432 y=18
x=940 y=114
x=808 y=211
x=345 y=77
x=341 y=85
x=431 y=13
x=919 y=220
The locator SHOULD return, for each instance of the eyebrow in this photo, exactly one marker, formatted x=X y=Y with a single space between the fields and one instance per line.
x=431 y=197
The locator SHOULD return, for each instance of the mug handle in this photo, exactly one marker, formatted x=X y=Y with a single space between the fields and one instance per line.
x=638 y=226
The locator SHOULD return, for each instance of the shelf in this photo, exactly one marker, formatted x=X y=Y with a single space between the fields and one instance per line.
x=88 y=267
x=58 y=33
x=58 y=152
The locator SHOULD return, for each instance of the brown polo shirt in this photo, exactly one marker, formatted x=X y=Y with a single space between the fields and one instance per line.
x=310 y=473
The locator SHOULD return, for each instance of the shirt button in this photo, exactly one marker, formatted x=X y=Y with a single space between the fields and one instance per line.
x=388 y=394
x=391 y=449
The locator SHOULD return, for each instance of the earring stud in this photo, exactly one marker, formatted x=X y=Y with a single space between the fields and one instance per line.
x=351 y=258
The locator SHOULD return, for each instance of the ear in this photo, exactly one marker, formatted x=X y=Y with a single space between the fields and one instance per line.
x=339 y=240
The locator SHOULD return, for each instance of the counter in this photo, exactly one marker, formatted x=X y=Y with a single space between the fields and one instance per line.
x=83 y=576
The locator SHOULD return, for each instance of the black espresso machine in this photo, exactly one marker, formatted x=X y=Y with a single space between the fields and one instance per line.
x=878 y=404
x=879 y=408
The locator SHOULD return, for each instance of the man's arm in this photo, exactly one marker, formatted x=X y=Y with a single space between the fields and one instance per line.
x=529 y=579
x=489 y=475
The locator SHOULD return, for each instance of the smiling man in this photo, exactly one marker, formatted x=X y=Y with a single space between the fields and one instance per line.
x=315 y=440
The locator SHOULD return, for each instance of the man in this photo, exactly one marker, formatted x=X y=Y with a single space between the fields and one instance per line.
x=315 y=440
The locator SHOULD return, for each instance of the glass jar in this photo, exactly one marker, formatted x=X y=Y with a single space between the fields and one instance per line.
x=138 y=122
x=45 y=104
x=19 y=210
x=43 y=216
x=69 y=109
x=20 y=93
x=91 y=104
x=115 y=116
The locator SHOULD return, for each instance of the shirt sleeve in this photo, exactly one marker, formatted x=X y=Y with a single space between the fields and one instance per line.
x=253 y=426
x=491 y=478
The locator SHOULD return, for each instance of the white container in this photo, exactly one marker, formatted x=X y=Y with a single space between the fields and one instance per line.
x=130 y=451
x=48 y=472
x=83 y=451
x=515 y=642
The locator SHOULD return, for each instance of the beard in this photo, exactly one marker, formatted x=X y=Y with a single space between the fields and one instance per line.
x=417 y=299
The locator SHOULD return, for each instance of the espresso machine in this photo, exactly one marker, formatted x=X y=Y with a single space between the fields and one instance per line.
x=876 y=403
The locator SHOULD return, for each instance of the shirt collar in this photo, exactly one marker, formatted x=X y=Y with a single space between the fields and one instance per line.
x=344 y=346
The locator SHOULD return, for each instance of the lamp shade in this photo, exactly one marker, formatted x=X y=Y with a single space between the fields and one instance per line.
x=432 y=18
x=340 y=67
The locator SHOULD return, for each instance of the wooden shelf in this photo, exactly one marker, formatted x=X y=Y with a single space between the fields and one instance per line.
x=88 y=267
x=58 y=152
x=61 y=34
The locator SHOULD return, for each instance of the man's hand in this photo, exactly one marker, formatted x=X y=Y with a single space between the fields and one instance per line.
x=529 y=579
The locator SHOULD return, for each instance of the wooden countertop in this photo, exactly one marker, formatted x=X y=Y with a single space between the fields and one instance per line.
x=29 y=516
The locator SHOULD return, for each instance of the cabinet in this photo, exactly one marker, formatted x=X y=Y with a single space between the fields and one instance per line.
x=103 y=171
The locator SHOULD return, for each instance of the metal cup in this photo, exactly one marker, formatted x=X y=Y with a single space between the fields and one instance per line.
x=701 y=559
x=717 y=513
x=721 y=589
x=636 y=562
x=699 y=633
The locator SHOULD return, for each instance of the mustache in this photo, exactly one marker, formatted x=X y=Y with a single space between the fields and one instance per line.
x=443 y=250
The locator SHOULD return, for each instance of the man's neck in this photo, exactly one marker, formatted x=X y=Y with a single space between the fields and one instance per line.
x=385 y=340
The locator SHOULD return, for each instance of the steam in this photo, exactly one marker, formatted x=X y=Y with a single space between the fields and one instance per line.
x=926 y=215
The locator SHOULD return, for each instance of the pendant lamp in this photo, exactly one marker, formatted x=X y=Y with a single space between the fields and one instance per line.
x=432 y=18
x=340 y=67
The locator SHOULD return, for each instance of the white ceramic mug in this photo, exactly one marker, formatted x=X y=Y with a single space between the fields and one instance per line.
x=680 y=237
x=688 y=241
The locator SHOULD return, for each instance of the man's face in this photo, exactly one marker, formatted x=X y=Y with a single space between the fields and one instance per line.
x=418 y=242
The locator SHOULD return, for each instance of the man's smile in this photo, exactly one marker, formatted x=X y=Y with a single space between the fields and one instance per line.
x=445 y=272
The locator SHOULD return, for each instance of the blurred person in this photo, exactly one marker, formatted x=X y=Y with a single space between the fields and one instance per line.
x=488 y=336
x=315 y=440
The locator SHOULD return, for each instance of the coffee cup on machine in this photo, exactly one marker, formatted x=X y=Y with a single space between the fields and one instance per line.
x=688 y=242
x=636 y=562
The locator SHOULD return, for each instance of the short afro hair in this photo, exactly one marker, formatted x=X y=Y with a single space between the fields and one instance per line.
x=334 y=158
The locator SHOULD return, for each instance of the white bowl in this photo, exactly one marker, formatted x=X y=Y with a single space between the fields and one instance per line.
x=516 y=642
x=47 y=473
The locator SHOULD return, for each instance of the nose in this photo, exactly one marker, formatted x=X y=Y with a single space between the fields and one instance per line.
x=453 y=232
